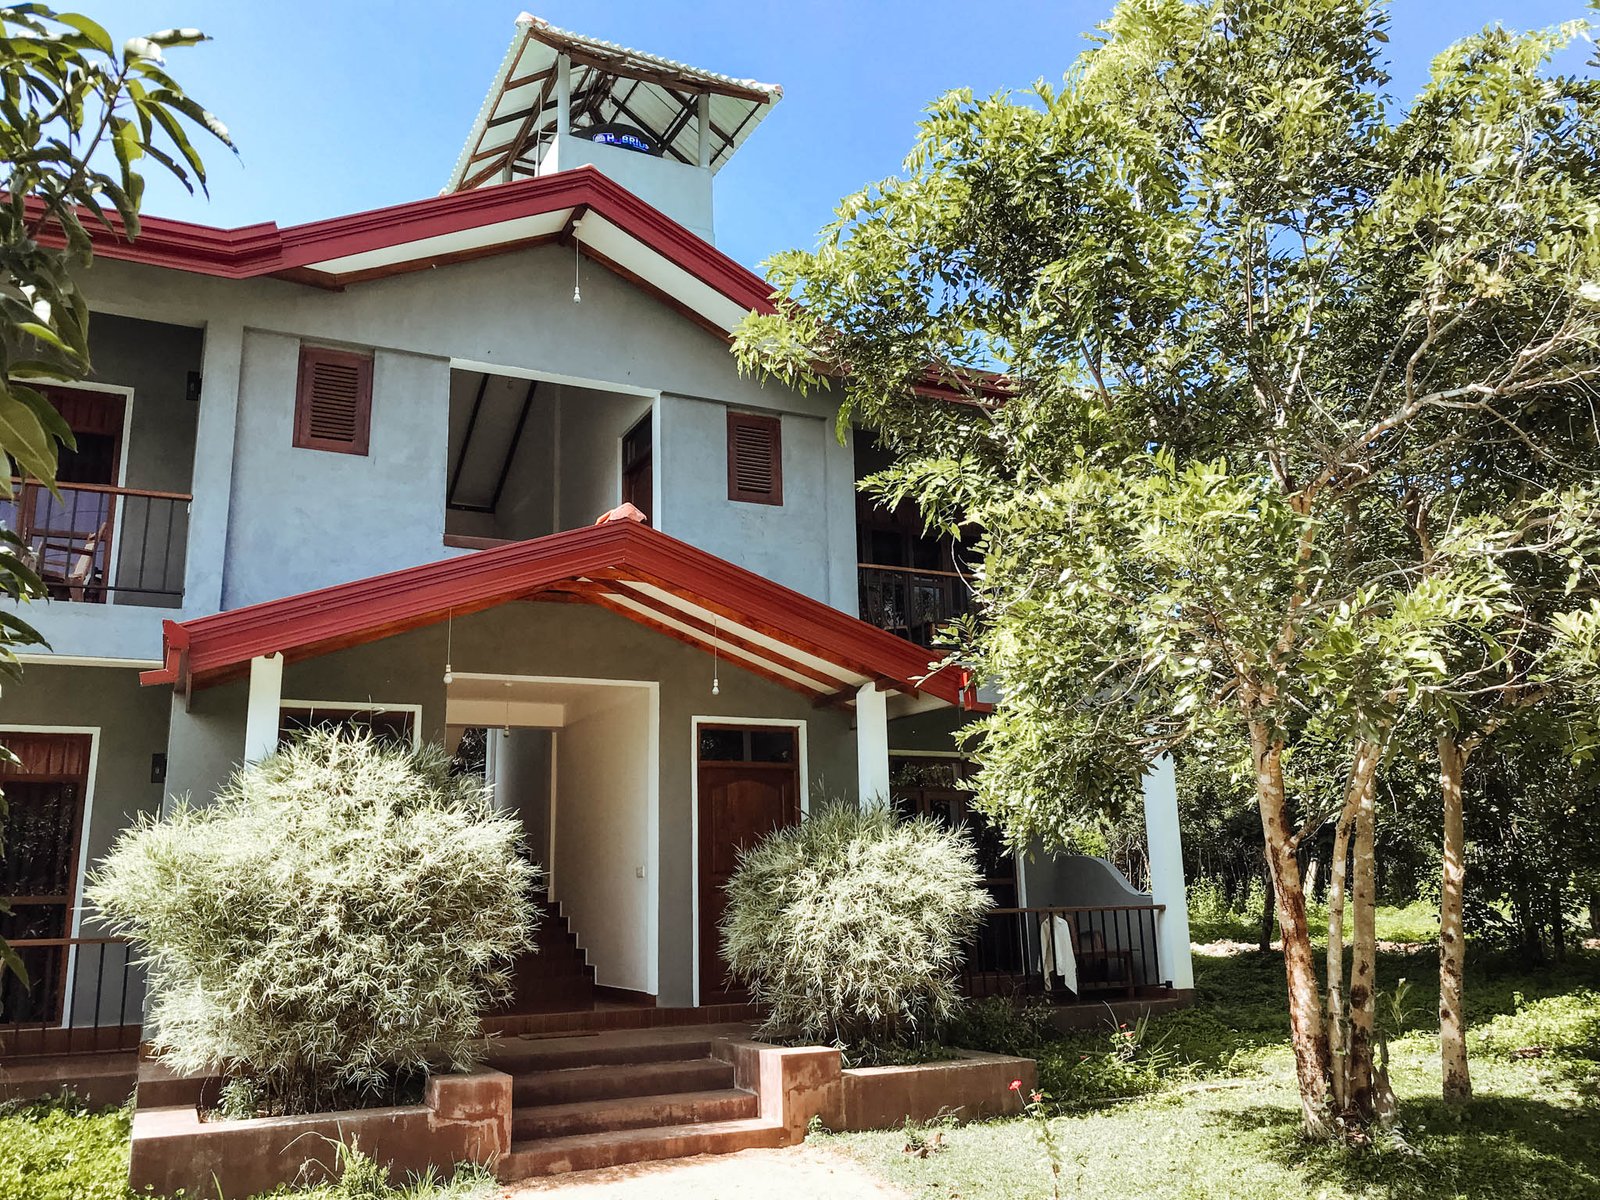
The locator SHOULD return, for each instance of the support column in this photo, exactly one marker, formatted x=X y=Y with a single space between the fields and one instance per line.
x=872 y=745
x=703 y=119
x=262 y=708
x=563 y=98
x=211 y=478
x=1165 y=846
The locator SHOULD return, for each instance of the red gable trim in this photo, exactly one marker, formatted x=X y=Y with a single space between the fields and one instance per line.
x=252 y=251
x=212 y=649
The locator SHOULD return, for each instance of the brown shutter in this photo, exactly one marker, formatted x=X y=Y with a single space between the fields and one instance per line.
x=333 y=401
x=755 y=458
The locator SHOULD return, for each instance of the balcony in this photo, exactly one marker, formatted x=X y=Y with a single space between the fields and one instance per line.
x=912 y=603
x=97 y=544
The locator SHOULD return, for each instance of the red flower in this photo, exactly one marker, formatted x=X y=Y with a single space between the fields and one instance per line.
x=1016 y=1085
x=1038 y=1096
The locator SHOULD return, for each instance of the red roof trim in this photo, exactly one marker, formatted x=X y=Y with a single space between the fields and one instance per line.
x=252 y=251
x=209 y=648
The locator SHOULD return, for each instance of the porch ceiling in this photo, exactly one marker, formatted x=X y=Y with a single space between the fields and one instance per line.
x=619 y=564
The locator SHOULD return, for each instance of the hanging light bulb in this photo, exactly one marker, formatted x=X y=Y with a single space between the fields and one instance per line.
x=716 y=625
x=449 y=644
x=506 y=730
x=577 y=293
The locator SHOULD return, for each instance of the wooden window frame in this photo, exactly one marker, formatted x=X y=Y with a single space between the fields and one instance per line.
x=310 y=356
x=774 y=428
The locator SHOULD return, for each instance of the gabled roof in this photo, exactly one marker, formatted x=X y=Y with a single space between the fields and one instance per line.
x=621 y=565
x=610 y=224
x=609 y=83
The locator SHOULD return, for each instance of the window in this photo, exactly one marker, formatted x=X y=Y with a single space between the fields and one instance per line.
x=396 y=724
x=755 y=458
x=333 y=400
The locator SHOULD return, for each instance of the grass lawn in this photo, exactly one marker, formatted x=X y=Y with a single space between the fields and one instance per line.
x=1218 y=1116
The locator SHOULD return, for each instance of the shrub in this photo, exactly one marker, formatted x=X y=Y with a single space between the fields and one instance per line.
x=1000 y=1025
x=850 y=926
x=61 y=1147
x=330 y=927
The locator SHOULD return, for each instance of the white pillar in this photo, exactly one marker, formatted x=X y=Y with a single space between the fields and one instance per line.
x=1165 y=846
x=563 y=97
x=263 y=707
x=872 y=745
x=703 y=119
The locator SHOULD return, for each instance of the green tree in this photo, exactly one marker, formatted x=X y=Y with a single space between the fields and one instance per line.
x=78 y=116
x=1231 y=299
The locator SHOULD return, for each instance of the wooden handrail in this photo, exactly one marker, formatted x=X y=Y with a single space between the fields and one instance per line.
x=46 y=943
x=863 y=566
x=104 y=489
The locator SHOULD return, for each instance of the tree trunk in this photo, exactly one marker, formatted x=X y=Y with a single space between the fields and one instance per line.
x=1452 y=940
x=1594 y=913
x=1558 y=921
x=1306 y=1034
x=1268 y=905
x=1362 y=770
x=1313 y=877
x=1361 y=1101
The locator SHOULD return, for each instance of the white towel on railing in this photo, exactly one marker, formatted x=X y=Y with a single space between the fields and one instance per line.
x=1055 y=944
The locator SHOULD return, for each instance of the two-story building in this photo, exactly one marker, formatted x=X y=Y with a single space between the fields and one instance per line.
x=480 y=469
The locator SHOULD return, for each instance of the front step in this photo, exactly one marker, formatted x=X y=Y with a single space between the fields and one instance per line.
x=615 y=1081
x=590 y=1151
x=633 y=1112
x=601 y=1100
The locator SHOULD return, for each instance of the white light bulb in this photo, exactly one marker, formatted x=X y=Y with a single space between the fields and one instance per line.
x=449 y=675
x=577 y=295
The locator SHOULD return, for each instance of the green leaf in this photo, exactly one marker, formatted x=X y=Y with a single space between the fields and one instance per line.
x=96 y=35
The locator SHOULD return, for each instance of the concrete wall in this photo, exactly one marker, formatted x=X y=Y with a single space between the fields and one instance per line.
x=269 y=520
x=520 y=765
x=590 y=452
x=681 y=190
x=557 y=640
x=603 y=852
x=303 y=519
x=807 y=543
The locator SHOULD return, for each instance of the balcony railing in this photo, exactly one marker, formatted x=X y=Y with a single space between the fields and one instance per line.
x=83 y=996
x=95 y=544
x=911 y=603
x=1066 y=955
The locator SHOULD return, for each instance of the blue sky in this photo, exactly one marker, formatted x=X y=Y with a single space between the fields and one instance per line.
x=344 y=105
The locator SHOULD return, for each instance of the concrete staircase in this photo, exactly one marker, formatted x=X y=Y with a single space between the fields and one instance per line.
x=558 y=978
x=602 y=1100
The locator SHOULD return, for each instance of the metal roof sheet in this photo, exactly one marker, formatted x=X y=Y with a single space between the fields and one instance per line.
x=609 y=83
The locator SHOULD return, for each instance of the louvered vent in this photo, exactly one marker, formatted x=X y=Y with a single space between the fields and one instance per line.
x=333 y=405
x=755 y=459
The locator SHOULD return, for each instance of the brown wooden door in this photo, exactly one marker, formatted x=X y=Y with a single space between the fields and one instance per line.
x=749 y=786
x=39 y=864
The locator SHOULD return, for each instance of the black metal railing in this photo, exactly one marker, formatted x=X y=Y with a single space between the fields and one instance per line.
x=96 y=544
x=1066 y=955
x=910 y=603
x=82 y=996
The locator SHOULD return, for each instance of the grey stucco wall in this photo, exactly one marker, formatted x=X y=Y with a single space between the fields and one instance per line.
x=808 y=542
x=559 y=640
x=302 y=519
x=154 y=360
x=269 y=520
x=589 y=459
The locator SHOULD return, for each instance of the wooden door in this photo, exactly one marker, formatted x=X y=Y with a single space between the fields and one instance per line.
x=749 y=785
x=39 y=864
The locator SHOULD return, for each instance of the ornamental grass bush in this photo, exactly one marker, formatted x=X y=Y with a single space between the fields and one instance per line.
x=329 y=928
x=849 y=928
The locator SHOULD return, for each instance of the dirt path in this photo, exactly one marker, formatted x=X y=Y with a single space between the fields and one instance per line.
x=798 y=1173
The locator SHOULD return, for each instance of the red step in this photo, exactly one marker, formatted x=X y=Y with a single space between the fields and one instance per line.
x=588 y=1151
x=611 y=1081
x=633 y=1112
